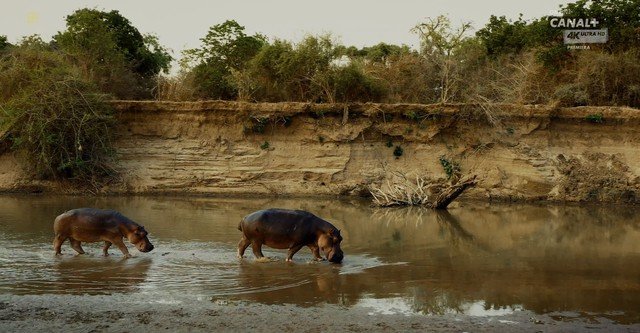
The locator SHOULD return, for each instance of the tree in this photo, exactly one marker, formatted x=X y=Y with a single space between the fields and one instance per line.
x=381 y=52
x=113 y=53
x=300 y=72
x=271 y=74
x=225 y=49
x=440 y=44
x=501 y=36
x=350 y=83
x=620 y=17
x=4 y=43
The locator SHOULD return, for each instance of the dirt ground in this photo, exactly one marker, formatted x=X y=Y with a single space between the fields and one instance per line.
x=64 y=313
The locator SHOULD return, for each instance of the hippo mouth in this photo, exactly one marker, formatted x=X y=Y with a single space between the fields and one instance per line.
x=335 y=257
x=145 y=248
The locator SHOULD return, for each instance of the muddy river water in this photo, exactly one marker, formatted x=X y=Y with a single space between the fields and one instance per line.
x=475 y=258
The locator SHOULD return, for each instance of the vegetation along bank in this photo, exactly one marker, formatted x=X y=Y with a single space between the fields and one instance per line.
x=508 y=109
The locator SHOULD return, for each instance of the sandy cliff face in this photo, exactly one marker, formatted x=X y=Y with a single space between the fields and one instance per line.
x=517 y=152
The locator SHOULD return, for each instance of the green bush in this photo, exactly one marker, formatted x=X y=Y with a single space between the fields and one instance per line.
x=595 y=118
x=109 y=51
x=450 y=167
x=58 y=121
x=398 y=151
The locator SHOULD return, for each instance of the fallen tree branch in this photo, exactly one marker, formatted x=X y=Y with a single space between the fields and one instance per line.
x=452 y=192
x=419 y=193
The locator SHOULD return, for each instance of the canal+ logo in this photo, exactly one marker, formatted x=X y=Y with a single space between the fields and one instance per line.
x=573 y=22
x=579 y=30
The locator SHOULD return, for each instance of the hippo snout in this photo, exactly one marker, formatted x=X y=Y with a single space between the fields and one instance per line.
x=148 y=247
x=337 y=257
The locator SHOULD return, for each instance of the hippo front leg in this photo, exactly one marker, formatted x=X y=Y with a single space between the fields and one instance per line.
x=316 y=253
x=120 y=244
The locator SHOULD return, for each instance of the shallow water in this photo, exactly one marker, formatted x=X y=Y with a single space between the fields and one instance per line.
x=475 y=259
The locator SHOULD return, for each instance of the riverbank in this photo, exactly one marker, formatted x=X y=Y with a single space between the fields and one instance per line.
x=120 y=313
x=517 y=152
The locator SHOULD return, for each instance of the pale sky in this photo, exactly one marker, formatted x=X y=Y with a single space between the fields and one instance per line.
x=180 y=24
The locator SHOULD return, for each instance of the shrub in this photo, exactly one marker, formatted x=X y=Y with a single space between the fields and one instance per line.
x=450 y=167
x=56 y=119
x=398 y=151
x=595 y=118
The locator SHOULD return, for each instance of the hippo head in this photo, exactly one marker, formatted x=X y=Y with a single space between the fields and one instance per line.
x=329 y=242
x=138 y=237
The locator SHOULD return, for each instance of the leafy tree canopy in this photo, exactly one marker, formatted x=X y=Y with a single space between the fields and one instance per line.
x=226 y=44
x=225 y=50
x=621 y=17
x=105 y=36
x=380 y=52
x=4 y=42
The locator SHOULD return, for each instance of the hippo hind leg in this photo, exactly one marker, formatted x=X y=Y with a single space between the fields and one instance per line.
x=105 y=248
x=257 y=249
x=57 y=244
x=75 y=244
x=242 y=246
x=292 y=251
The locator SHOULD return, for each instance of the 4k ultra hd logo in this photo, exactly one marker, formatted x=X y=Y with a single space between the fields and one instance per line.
x=580 y=31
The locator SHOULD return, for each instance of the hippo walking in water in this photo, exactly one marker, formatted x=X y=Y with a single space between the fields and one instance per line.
x=95 y=225
x=289 y=229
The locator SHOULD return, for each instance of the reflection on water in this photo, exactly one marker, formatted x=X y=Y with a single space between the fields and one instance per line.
x=475 y=259
x=407 y=306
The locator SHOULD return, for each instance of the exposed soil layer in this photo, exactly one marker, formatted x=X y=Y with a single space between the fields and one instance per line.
x=518 y=153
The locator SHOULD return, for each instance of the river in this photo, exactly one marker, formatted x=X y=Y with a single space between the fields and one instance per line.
x=476 y=259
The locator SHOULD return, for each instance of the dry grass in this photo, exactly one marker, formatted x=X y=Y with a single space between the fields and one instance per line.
x=407 y=191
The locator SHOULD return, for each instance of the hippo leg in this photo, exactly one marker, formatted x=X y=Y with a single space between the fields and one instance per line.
x=242 y=246
x=292 y=251
x=105 y=248
x=316 y=252
x=75 y=244
x=120 y=244
x=257 y=249
x=57 y=244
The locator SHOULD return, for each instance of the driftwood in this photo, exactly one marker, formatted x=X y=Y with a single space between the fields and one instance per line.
x=420 y=192
x=452 y=192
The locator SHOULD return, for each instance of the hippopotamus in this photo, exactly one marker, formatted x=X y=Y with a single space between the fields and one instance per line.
x=289 y=229
x=95 y=225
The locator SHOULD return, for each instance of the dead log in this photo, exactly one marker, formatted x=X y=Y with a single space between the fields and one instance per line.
x=452 y=192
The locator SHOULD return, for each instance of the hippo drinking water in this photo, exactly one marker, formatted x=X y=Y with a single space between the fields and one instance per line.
x=289 y=229
x=95 y=225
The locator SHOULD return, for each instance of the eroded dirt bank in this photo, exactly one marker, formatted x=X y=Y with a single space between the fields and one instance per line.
x=517 y=152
